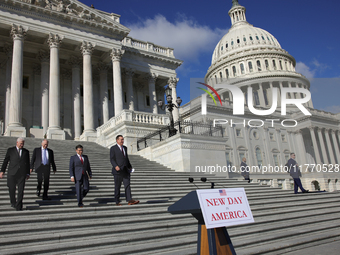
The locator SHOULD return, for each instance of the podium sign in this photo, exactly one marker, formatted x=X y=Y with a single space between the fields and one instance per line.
x=224 y=207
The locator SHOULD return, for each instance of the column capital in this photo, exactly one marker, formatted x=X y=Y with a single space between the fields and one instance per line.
x=86 y=48
x=151 y=77
x=129 y=72
x=116 y=54
x=139 y=86
x=43 y=56
x=54 y=40
x=18 y=32
x=102 y=67
x=332 y=131
x=66 y=73
x=326 y=130
x=74 y=61
x=173 y=82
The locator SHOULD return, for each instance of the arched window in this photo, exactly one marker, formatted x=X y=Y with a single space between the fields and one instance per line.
x=258 y=63
x=262 y=37
x=221 y=47
x=251 y=38
x=274 y=64
x=242 y=68
x=250 y=65
x=234 y=71
x=244 y=39
x=266 y=64
x=227 y=73
x=280 y=62
x=221 y=78
x=258 y=156
x=257 y=38
x=232 y=43
x=226 y=46
x=215 y=79
x=238 y=40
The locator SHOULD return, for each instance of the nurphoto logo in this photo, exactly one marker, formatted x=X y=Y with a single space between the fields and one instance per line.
x=239 y=100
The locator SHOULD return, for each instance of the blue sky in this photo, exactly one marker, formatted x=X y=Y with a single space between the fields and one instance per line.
x=307 y=29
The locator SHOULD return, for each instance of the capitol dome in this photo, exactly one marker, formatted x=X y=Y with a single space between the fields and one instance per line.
x=247 y=51
x=251 y=57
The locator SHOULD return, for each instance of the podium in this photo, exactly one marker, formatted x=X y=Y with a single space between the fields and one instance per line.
x=214 y=241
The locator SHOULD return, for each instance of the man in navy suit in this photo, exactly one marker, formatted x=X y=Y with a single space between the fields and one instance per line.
x=121 y=169
x=18 y=172
x=245 y=170
x=42 y=160
x=80 y=173
x=294 y=171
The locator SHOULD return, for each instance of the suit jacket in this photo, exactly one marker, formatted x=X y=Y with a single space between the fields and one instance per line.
x=118 y=159
x=17 y=164
x=76 y=167
x=37 y=160
x=294 y=170
x=244 y=170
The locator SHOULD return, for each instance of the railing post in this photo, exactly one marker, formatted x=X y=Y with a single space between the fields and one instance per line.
x=145 y=144
x=160 y=135
x=179 y=126
x=222 y=131
x=210 y=130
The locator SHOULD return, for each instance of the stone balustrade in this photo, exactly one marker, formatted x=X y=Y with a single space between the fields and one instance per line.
x=147 y=46
x=133 y=116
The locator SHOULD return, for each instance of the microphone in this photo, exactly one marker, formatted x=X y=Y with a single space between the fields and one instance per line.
x=204 y=179
x=191 y=180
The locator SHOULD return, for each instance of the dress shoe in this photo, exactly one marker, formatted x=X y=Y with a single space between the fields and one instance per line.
x=18 y=209
x=47 y=198
x=119 y=204
x=133 y=202
x=13 y=205
x=306 y=191
x=38 y=193
x=81 y=205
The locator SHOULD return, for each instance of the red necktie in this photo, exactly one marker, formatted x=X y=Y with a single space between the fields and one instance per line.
x=82 y=161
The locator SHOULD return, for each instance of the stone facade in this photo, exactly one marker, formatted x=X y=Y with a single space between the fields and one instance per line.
x=67 y=69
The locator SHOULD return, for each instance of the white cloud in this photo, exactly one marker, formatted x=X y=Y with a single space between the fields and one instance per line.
x=304 y=70
x=188 y=38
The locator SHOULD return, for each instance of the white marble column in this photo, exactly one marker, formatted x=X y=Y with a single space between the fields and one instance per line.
x=15 y=127
x=104 y=97
x=270 y=95
x=9 y=53
x=302 y=149
x=44 y=57
x=329 y=146
x=315 y=146
x=261 y=96
x=152 y=92
x=89 y=133
x=336 y=147
x=323 y=148
x=173 y=84
x=279 y=94
x=77 y=123
x=54 y=130
x=116 y=56
x=130 y=93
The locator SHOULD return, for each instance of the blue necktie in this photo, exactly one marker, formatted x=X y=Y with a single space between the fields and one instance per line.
x=44 y=157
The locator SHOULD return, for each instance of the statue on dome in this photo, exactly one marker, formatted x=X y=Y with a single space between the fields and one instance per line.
x=235 y=2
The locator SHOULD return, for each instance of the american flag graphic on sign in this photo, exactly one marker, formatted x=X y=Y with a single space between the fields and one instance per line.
x=222 y=192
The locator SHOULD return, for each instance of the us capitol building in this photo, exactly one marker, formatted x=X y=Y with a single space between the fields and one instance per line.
x=69 y=71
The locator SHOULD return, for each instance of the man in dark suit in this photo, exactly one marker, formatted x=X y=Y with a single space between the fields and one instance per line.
x=80 y=173
x=18 y=172
x=42 y=160
x=245 y=170
x=294 y=172
x=121 y=169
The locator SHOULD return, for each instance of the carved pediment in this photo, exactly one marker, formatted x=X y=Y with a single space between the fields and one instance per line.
x=76 y=11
